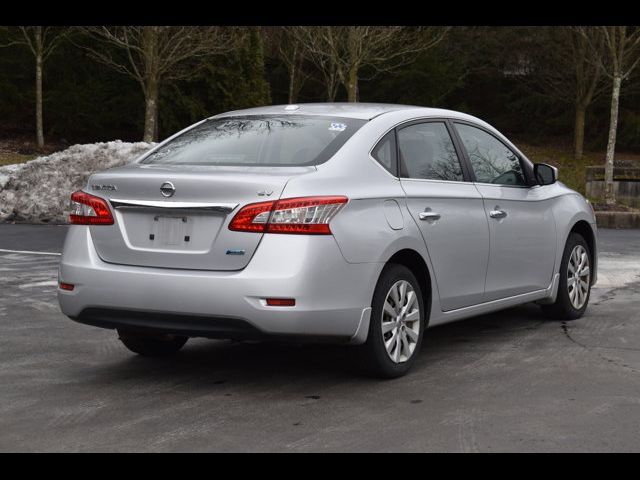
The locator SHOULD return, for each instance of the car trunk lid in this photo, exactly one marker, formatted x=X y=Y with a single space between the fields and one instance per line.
x=184 y=226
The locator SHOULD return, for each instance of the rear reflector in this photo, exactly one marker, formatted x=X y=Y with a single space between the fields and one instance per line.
x=281 y=302
x=66 y=286
x=303 y=215
x=88 y=209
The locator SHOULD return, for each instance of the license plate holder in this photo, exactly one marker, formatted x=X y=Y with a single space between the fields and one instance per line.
x=171 y=230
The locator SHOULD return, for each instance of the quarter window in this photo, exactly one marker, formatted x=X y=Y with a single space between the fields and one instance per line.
x=385 y=152
x=427 y=152
x=491 y=160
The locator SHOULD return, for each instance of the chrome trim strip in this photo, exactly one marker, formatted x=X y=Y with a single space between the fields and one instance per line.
x=214 y=207
x=431 y=180
x=499 y=185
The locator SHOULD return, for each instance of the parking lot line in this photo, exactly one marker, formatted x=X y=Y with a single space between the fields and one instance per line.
x=29 y=252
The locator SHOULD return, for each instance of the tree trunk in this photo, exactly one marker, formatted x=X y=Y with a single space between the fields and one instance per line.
x=151 y=83
x=332 y=83
x=332 y=91
x=609 y=194
x=292 y=76
x=578 y=132
x=151 y=111
x=353 y=64
x=39 y=62
x=352 y=86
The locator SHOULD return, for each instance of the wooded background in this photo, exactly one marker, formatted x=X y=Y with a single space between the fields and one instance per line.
x=526 y=81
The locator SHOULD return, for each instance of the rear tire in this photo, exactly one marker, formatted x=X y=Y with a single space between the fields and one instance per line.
x=398 y=311
x=574 y=287
x=152 y=345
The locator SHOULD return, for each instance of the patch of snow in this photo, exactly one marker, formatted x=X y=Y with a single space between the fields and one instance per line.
x=4 y=179
x=38 y=191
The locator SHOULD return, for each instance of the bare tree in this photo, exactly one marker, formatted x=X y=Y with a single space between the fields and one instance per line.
x=290 y=50
x=153 y=55
x=41 y=42
x=587 y=78
x=311 y=40
x=570 y=70
x=622 y=44
x=342 y=52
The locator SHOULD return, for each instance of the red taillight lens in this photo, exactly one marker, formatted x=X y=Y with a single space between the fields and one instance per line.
x=66 y=286
x=309 y=215
x=89 y=210
x=281 y=302
x=252 y=217
x=305 y=215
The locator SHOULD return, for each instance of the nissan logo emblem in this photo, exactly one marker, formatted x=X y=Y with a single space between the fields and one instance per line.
x=167 y=189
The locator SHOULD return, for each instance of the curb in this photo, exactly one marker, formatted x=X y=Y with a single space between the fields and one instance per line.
x=618 y=219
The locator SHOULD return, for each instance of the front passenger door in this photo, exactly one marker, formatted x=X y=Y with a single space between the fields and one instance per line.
x=448 y=210
x=521 y=224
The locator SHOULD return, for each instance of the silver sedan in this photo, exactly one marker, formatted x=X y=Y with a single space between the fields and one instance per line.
x=355 y=223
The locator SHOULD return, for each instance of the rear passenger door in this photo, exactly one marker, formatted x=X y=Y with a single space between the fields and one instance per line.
x=447 y=208
x=521 y=224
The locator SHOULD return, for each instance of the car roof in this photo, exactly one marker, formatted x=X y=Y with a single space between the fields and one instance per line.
x=363 y=111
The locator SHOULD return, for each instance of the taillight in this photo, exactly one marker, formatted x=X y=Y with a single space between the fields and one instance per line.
x=89 y=210
x=305 y=215
x=252 y=217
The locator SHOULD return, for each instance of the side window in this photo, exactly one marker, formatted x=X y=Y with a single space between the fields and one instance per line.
x=385 y=152
x=427 y=152
x=491 y=160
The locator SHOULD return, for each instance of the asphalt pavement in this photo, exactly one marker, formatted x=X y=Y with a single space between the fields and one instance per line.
x=509 y=381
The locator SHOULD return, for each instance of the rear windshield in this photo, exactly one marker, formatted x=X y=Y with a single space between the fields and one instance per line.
x=289 y=140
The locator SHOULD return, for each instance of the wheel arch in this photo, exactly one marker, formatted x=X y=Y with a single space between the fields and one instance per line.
x=415 y=262
x=584 y=229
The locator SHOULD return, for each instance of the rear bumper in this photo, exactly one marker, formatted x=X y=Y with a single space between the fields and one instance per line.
x=332 y=296
x=189 y=325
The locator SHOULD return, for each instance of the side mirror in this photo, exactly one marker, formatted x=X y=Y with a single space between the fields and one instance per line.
x=545 y=174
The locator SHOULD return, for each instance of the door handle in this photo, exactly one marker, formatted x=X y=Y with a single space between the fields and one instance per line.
x=497 y=214
x=429 y=216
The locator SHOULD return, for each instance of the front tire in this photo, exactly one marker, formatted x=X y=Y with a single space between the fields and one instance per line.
x=397 y=324
x=152 y=345
x=574 y=287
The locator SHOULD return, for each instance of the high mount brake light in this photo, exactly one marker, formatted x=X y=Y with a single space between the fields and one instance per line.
x=302 y=215
x=89 y=210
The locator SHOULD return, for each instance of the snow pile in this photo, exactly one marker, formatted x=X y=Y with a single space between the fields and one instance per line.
x=38 y=191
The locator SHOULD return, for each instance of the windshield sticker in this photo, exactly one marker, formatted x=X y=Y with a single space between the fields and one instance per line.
x=337 y=127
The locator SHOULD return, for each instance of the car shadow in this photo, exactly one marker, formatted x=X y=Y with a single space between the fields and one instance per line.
x=206 y=363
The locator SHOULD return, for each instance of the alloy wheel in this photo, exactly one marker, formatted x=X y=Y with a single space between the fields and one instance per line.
x=401 y=321
x=578 y=276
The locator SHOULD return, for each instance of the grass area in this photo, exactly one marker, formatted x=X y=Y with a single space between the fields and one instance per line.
x=572 y=172
x=9 y=158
